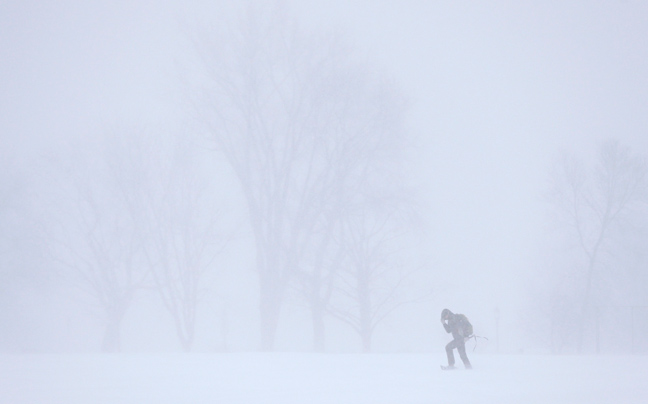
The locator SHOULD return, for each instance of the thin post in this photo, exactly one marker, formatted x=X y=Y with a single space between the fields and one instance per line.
x=597 y=314
x=497 y=316
x=632 y=329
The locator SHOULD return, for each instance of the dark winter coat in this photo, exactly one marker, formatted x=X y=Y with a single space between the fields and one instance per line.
x=458 y=325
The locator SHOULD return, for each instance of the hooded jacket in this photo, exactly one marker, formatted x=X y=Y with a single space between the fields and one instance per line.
x=456 y=324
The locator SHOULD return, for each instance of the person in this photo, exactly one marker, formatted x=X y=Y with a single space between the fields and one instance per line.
x=461 y=330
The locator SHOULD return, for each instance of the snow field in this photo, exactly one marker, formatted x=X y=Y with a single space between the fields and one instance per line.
x=288 y=378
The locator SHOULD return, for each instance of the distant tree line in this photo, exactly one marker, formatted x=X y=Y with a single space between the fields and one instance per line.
x=315 y=140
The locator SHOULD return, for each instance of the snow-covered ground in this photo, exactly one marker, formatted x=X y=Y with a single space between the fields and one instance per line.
x=287 y=378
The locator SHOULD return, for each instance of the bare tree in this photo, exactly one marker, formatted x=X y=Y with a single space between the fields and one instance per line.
x=315 y=280
x=365 y=155
x=369 y=283
x=275 y=108
x=596 y=205
x=174 y=208
x=143 y=217
x=99 y=242
x=182 y=235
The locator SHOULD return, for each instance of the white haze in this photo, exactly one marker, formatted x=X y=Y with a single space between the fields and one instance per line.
x=495 y=92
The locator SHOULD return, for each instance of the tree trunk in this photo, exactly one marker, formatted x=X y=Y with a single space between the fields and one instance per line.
x=185 y=332
x=366 y=341
x=187 y=344
x=269 y=309
x=111 y=340
x=364 y=299
x=319 y=331
x=585 y=309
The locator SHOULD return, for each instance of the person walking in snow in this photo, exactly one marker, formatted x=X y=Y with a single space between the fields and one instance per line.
x=461 y=330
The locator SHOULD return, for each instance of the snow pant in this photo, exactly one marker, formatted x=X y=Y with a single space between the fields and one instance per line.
x=460 y=344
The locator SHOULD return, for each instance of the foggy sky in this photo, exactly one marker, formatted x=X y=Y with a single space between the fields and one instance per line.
x=496 y=91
